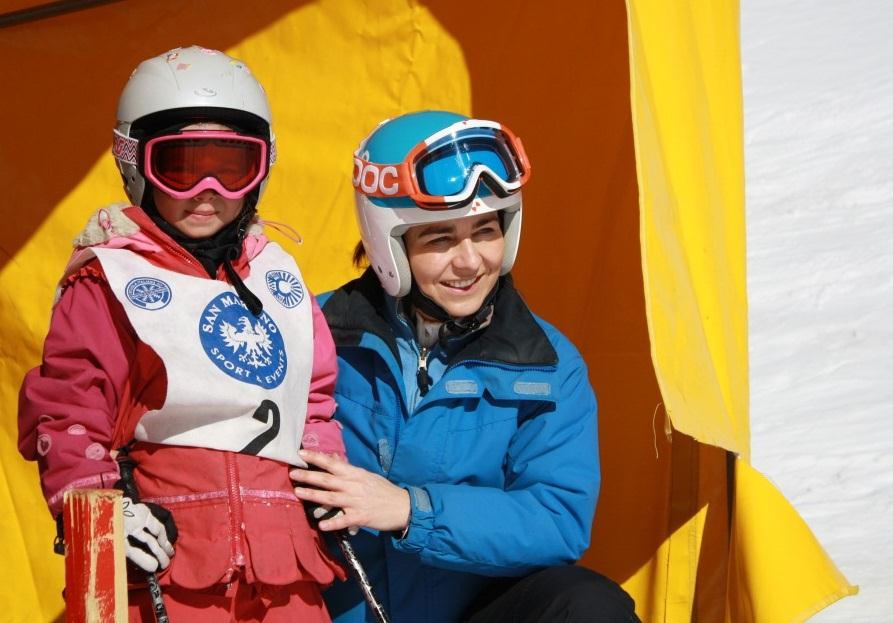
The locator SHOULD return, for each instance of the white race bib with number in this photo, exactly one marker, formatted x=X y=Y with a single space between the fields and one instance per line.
x=235 y=381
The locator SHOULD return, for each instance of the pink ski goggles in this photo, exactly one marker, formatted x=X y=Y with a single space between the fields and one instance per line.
x=185 y=164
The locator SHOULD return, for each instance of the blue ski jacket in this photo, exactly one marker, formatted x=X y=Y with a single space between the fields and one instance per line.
x=500 y=457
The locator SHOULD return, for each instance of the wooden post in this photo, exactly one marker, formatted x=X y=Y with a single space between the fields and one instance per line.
x=95 y=577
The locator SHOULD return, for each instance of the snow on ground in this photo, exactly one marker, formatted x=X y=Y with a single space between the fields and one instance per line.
x=818 y=102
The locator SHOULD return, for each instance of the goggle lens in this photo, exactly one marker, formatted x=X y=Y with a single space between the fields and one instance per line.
x=446 y=168
x=182 y=163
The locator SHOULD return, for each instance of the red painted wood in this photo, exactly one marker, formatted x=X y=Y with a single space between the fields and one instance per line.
x=94 y=590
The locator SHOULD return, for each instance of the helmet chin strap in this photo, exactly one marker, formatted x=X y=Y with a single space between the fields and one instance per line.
x=452 y=327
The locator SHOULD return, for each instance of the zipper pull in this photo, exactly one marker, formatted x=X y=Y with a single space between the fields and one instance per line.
x=422 y=377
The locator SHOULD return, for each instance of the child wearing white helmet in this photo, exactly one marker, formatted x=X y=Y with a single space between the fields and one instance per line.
x=186 y=362
x=470 y=423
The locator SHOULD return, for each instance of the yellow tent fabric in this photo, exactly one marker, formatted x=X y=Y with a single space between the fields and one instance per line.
x=634 y=215
x=688 y=120
x=333 y=69
x=768 y=534
x=688 y=126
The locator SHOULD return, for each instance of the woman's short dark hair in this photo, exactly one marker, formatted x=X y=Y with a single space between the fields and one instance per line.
x=360 y=259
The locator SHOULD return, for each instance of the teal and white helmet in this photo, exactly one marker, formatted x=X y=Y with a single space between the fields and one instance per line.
x=432 y=166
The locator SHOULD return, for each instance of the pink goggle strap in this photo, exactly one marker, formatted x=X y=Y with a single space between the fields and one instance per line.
x=124 y=148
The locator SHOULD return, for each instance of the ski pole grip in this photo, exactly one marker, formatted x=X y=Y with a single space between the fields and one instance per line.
x=126 y=465
x=127 y=484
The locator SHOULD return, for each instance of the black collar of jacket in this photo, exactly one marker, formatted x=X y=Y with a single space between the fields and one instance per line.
x=512 y=337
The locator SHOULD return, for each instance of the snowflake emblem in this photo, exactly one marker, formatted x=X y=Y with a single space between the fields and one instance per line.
x=148 y=293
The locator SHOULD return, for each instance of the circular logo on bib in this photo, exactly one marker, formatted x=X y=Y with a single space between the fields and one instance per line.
x=285 y=287
x=148 y=293
x=246 y=347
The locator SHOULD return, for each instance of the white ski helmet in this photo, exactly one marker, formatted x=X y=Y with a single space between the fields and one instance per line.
x=181 y=87
x=426 y=167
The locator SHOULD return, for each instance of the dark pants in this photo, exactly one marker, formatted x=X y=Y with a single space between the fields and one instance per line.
x=567 y=594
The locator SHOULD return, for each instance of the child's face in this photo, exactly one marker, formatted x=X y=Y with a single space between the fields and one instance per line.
x=204 y=214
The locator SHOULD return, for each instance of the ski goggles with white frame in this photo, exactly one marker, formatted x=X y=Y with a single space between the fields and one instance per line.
x=444 y=170
x=185 y=164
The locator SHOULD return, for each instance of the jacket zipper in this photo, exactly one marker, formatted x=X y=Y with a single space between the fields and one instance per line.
x=235 y=512
x=188 y=259
x=422 y=376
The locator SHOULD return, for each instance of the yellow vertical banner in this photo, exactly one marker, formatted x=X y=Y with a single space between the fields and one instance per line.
x=688 y=125
x=686 y=93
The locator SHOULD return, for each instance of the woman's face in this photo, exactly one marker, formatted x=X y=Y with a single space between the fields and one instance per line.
x=204 y=214
x=457 y=262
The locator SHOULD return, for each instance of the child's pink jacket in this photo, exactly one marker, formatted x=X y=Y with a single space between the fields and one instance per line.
x=235 y=513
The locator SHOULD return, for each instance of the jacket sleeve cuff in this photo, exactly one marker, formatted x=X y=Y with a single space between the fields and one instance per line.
x=421 y=522
x=105 y=480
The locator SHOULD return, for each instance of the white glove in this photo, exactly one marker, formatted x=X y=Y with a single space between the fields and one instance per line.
x=146 y=544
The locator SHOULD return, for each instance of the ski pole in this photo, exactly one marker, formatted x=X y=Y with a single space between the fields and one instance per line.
x=126 y=466
x=342 y=537
x=359 y=574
